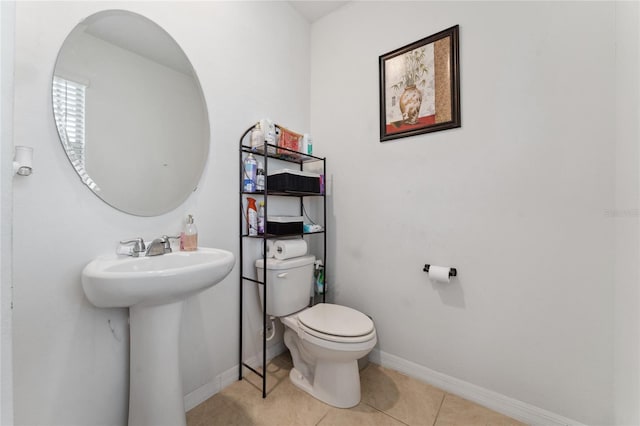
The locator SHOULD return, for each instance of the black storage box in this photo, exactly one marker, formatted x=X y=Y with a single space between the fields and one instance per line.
x=293 y=181
x=284 y=225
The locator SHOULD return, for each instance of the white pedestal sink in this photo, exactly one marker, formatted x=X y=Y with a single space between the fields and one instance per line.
x=153 y=288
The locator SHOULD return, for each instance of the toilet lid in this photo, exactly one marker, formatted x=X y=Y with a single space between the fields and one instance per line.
x=336 y=320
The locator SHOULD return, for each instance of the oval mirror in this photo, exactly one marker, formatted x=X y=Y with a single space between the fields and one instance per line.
x=130 y=113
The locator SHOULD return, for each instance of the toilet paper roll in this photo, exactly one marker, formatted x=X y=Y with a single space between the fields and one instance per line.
x=270 y=249
x=439 y=274
x=286 y=249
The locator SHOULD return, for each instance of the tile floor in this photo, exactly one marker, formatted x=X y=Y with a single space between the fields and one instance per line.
x=388 y=398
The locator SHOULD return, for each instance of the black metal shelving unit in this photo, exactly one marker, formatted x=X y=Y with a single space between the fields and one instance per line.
x=272 y=152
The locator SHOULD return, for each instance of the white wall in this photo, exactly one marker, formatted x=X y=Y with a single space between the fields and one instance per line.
x=516 y=199
x=71 y=358
x=7 y=36
x=625 y=216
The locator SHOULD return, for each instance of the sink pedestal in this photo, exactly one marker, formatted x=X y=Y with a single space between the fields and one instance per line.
x=155 y=393
x=154 y=288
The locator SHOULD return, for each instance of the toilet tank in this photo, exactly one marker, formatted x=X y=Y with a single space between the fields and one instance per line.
x=289 y=284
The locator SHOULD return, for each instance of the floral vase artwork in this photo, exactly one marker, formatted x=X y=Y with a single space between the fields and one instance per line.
x=414 y=74
x=410 y=102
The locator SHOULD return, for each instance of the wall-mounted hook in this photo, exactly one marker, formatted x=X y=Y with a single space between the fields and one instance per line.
x=23 y=160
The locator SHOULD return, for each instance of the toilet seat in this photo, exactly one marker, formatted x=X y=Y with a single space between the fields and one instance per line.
x=336 y=320
x=333 y=323
x=333 y=338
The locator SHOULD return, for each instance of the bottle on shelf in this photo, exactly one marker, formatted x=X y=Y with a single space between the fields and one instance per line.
x=307 y=144
x=318 y=277
x=269 y=129
x=252 y=216
x=250 y=166
x=257 y=137
x=261 y=218
x=260 y=177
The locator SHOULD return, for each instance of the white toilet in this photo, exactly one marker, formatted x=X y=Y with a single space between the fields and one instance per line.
x=325 y=340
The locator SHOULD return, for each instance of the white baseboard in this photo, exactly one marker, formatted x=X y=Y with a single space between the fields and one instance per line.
x=204 y=392
x=518 y=410
x=226 y=378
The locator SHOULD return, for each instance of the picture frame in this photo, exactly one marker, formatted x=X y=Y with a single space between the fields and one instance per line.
x=420 y=87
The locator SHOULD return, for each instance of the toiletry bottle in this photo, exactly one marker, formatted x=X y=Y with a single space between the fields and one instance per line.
x=318 y=277
x=189 y=237
x=261 y=218
x=269 y=132
x=250 y=165
x=307 y=144
x=320 y=282
x=260 y=177
x=252 y=216
x=269 y=129
x=257 y=137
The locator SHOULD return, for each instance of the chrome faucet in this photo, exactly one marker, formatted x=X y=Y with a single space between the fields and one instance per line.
x=160 y=246
x=156 y=247
x=137 y=248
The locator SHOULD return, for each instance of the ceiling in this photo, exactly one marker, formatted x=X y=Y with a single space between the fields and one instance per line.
x=314 y=10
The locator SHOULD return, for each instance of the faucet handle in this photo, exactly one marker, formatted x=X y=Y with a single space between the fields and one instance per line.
x=165 y=241
x=138 y=245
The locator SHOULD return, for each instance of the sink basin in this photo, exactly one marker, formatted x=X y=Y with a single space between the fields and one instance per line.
x=119 y=282
x=154 y=289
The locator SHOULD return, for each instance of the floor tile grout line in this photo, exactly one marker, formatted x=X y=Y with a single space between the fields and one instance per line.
x=444 y=395
x=385 y=413
x=322 y=418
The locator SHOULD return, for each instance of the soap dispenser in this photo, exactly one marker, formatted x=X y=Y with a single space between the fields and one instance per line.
x=189 y=237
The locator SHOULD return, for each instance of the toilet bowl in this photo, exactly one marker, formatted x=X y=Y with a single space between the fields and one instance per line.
x=325 y=340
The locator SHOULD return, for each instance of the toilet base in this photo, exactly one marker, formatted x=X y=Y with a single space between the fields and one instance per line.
x=336 y=384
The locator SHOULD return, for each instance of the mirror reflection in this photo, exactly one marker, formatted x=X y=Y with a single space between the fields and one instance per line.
x=130 y=113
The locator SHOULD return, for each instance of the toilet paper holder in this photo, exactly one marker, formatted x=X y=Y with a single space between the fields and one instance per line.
x=452 y=272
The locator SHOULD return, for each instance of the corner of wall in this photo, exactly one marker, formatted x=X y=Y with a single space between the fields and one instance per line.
x=626 y=214
x=7 y=37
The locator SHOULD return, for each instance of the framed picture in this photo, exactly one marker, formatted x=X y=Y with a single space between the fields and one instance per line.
x=420 y=87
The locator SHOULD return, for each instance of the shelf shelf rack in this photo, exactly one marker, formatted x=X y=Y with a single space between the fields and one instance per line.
x=272 y=152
